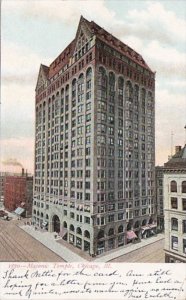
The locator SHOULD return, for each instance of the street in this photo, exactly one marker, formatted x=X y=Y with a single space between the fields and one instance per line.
x=153 y=253
x=17 y=245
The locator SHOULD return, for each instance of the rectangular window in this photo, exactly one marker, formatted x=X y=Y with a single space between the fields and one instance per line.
x=88 y=106
x=121 y=216
x=184 y=246
x=87 y=220
x=87 y=196
x=184 y=204
x=87 y=184
x=88 y=117
x=111 y=218
x=184 y=226
x=174 y=242
x=80 y=130
x=72 y=215
x=174 y=203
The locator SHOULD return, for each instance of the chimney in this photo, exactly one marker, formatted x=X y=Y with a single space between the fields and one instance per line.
x=177 y=149
x=22 y=172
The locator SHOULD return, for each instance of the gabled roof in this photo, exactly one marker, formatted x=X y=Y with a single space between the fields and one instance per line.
x=178 y=161
x=62 y=59
x=93 y=29
x=43 y=75
x=107 y=37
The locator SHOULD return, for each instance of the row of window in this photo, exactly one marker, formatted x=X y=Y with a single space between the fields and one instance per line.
x=174 y=188
x=175 y=243
x=174 y=203
x=174 y=225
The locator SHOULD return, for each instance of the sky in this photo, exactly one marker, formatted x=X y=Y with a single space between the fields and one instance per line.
x=35 y=32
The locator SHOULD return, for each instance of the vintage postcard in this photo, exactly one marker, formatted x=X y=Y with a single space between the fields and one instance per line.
x=93 y=149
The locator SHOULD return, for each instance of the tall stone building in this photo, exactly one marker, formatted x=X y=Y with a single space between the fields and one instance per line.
x=159 y=198
x=175 y=207
x=94 y=143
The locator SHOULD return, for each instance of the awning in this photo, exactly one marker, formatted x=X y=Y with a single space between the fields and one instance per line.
x=144 y=228
x=131 y=235
x=63 y=232
x=45 y=223
x=152 y=225
x=19 y=210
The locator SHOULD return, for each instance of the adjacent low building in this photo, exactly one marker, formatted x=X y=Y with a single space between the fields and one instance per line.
x=175 y=207
x=18 y=194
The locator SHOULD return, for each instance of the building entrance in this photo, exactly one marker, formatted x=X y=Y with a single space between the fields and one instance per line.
x=56 y=224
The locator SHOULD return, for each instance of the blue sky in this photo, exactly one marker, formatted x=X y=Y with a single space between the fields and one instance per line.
x=35 y=32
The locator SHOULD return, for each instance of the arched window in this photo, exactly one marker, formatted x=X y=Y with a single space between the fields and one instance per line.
x=144 y=222
x=62 y=97
x=67 y=89
x=37 y=213
x=111 y=232
x=47 y=217
x=102 y=77
x=150 y=221
x=87 y=234
x=111 y=82
x=72 y=227
x=81 y=83
x=183 y=187
x=129 y=91
x=137 y=224
x=120 y=85
x=101 y=234
x=120 y=229
x=173 y=186
x=136 y=94
x=41 y=215
x=65 y=224
x=74 y=88
x=78 y=230
x=89 y=73
x=174 y=224
x=34 y=211
x=143 y=95
x=88 y=79
x=129 y=226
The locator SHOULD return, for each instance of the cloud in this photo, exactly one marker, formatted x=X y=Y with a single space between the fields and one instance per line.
x=170 y=117
x=67 y=12
x=20 y=64
x=155 y=22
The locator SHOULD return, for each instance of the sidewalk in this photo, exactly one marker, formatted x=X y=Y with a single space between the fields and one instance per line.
x=115 y=253
x=48 y=240
x=75 y=255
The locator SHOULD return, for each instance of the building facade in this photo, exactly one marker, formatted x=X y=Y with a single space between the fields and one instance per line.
x=2 y=184
x=159 y=198
x=94 y=150
x=2 y=181
x=18 y=193
x=175 y=207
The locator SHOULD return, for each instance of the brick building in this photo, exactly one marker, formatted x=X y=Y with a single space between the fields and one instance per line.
x=94 y=143
x=18 y=193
